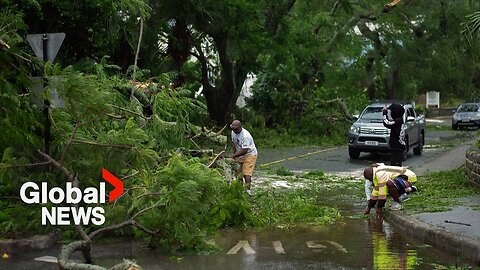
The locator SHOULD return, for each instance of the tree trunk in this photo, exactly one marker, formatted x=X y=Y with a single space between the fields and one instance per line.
x=221 y=100
x=123 y=54
x=222 y=97
x=392 y=83
x=370 y=76
x=179 y=48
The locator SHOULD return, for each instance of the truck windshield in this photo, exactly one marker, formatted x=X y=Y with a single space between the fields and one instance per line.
x=372 y=113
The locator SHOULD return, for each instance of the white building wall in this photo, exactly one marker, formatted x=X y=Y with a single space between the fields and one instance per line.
x=246 y=90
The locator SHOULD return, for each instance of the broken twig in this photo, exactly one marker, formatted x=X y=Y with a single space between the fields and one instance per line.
x=459 y=223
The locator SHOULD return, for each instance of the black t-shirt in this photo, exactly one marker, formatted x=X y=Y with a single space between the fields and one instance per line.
x=397 y=136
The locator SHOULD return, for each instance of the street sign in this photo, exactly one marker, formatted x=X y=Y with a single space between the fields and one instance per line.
x=53 y=96
x=46 y=46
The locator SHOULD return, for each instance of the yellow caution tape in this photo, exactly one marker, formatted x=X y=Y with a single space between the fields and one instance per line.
x=295 y=157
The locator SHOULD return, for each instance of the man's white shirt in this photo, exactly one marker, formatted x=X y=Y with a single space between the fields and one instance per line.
x=244 y=140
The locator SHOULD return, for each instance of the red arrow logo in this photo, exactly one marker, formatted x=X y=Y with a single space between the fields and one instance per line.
x=115 y=182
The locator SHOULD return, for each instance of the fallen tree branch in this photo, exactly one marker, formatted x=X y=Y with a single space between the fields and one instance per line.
x=129 y=222
x=74 y=181
x=137 y=52
x=110 y=228
x=130 y=175
x=25 y=165
x=218 y=132
x=341 y=104
x=214 y=136
x=148 y=231
x=3 y=43
x=217 y=156
x=84 y=246
x=116 y=116
x=215 y=159
x=149 y=194
x=194 y=143
x=130 y=111
x=59 y=166
x=144 y=210
x=102 y=144
x=74 y=132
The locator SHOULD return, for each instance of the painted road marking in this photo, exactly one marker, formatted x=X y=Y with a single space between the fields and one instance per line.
x=315 y=245
x=49 y=259
x=241 y=244
x=337 y=246
x=277 y=245
x=295 y=157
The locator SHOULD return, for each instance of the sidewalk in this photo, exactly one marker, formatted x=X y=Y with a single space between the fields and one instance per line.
x=456 y=231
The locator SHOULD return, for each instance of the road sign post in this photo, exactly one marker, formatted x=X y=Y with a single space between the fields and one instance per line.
x=46 y=47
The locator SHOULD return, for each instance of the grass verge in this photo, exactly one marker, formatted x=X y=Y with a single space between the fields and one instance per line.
x=440 y=191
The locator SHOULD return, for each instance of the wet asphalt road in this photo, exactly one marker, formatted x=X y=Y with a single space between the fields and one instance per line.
x=335 y=160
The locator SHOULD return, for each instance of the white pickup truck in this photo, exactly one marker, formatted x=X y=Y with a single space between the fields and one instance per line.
x=367 y=133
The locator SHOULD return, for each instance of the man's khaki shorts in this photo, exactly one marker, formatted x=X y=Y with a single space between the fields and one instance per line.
x=247 y=164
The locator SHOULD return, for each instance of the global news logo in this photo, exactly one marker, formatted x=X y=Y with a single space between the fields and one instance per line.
x=32 y=193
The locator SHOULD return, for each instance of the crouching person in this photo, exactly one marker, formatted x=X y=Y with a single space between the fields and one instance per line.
x=387 y=180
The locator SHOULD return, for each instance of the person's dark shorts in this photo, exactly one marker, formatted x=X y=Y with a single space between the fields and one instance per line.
x=401 y=183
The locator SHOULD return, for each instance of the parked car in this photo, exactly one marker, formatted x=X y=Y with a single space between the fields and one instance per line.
x=466 y=115
x=367 y=133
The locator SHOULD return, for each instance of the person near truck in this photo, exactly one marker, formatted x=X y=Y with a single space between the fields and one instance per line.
x=381 y=180
x=397 y=135
x=244 y=152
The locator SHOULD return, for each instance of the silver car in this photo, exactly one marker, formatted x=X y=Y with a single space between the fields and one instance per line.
x=466 y=115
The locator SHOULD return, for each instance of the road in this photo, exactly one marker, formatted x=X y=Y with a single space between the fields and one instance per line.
x=335 y=160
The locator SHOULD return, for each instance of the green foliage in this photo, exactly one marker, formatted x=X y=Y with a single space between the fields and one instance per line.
x=233 y=209
x=18 y=124
x=12 y=212
x=281 y=171
x=294 y=116
x=278 y=206
x=188 y=191
x=316 y=175
x=101 y=126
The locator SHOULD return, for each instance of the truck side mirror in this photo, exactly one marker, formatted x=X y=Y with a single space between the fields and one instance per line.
x=355 y=117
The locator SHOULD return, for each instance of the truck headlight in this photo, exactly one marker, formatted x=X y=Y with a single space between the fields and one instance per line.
x=476 y=117
x=354 y=129
x=455 y=117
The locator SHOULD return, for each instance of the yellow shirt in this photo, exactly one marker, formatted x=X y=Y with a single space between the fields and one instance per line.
x=382 y=174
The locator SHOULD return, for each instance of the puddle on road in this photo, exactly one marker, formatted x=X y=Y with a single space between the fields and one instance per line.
x=356 y=243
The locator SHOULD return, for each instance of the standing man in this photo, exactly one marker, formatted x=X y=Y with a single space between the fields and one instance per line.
x=244 y=152
x=397 y=135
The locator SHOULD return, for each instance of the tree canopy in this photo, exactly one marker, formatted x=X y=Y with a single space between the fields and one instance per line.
x=142 y=79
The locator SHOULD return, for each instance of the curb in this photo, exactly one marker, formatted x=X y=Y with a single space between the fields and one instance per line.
x=452 y=243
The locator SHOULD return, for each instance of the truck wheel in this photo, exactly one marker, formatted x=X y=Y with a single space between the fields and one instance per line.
x=454 y=127
x=354 y=154
x=419 y=149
